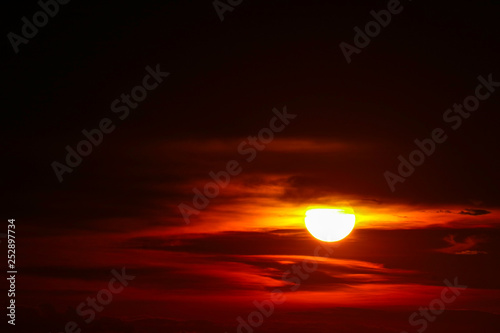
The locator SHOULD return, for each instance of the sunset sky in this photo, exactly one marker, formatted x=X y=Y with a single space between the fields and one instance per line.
x=348 y=123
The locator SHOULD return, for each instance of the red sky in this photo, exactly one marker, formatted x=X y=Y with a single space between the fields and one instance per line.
x=228 y=80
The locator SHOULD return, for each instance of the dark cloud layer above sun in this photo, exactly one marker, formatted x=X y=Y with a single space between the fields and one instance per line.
x=348 y=132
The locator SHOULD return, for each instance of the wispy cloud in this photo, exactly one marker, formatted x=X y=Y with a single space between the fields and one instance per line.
x=463 y=247
x=474 y=212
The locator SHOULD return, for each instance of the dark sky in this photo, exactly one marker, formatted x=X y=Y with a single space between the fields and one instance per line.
x=120 y=205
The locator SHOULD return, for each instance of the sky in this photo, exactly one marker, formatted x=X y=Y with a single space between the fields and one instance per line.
x=182 y=209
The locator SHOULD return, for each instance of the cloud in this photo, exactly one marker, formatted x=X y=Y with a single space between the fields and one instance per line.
x=474 y=212
x=469 y=252
x=457 y=247
x=343 y=319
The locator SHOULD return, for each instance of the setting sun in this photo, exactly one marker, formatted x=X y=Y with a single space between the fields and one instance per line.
x=329 y=225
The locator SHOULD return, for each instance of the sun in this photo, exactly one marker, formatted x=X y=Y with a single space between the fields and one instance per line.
x=329 y=225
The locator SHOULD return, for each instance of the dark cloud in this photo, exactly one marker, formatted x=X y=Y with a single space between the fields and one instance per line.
x=474 y=212
x=343 y=320
x=406 y=250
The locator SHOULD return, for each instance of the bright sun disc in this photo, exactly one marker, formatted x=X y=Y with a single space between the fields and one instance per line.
x=329 y=225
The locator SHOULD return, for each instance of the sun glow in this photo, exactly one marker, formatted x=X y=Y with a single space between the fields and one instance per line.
x=329 y=225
